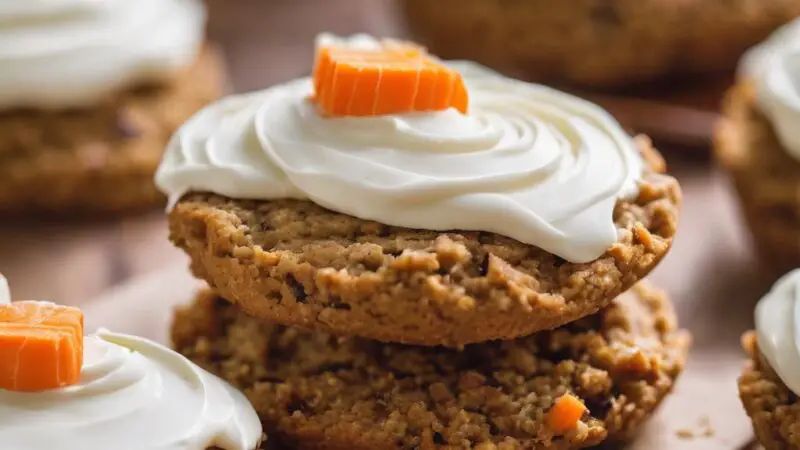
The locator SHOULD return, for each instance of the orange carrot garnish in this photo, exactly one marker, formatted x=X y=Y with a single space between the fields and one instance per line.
x=565 y=414
x=41 y=346
x=397 y=78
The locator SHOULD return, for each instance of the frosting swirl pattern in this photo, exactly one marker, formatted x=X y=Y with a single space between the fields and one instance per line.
x=774 y=67
x=778 y=329
x=71 y=53
x=133 y=395
x=527 y=162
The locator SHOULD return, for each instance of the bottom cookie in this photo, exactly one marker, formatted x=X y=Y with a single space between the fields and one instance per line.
x=315 y=390
x=773 y=408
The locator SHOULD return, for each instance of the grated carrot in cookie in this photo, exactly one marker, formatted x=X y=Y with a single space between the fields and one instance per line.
x=397 y=78
x=41 y=346
x=565 y=414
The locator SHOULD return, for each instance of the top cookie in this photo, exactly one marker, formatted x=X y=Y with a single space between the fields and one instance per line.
x=409 y=214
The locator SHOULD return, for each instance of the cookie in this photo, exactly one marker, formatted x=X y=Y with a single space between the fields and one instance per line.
x=100 y=159
x=315 y=390
x=766 y=178
x=771 y=405
x=588 y=42
x=296 y=263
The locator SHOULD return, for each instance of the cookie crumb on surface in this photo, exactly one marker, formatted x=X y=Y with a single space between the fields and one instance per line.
x=703 y=429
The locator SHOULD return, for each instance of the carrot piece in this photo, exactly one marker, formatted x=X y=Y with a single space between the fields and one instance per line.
x=397 y=78
x=41 y=346
x=565 y=413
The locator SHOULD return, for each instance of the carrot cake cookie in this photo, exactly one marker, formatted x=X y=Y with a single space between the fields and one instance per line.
x=90 y=92
x=758 y=144
x=397 y=197
x=770 y=385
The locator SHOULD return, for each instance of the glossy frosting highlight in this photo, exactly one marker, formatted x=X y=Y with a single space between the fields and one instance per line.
x=71 y=53
x=778 y=329
x=527 y=162
x=774 y=67
x=133 y=395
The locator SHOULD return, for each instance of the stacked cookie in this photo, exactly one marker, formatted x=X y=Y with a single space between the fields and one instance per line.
x=770 y=383
x=425 y=278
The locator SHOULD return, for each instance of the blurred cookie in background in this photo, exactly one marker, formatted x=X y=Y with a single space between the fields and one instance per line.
x=758 y=144
x=90 y=94
x=594 y=43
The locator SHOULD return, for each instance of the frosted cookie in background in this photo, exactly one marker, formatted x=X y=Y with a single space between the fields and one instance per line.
x=90 y=92
x=108 y=390
x=758 y=144
x=770 y=384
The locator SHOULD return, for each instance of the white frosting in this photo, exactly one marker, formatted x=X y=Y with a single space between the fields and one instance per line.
x=778 y=329
x=133 y=395
x=774 y=67
x=527 y=162
x=69 y=53
x=5 y=293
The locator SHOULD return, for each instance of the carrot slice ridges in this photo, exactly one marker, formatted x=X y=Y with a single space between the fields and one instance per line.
x=41 y=346
x=565 y=414
x=396 y=78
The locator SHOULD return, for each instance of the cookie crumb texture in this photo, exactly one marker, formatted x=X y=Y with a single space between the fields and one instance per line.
x=100 y=159
x=772 y=407
x=295 y=263
x=766 y=177
x=315 y=390
x=528 y=38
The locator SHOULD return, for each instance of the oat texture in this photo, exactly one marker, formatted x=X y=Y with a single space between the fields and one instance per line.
x=596 y=42
x=99 y=159
x=296 y=263
x=766 y=178
x=315 y=390
x=772 y=407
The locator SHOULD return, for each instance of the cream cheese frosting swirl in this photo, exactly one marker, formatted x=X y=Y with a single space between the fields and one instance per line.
x=778 y=329
x=133 y=395
x=774 y=68
x=527 y=162
x=71 y=53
